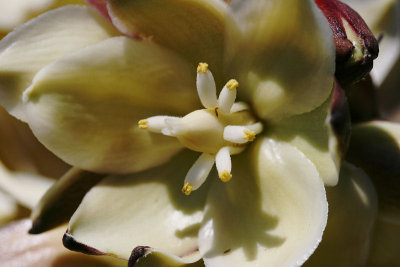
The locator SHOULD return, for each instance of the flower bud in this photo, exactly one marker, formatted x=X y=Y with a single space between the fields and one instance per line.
x=356 y=46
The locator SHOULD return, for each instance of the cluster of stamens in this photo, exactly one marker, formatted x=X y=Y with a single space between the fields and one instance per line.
x=220 y=130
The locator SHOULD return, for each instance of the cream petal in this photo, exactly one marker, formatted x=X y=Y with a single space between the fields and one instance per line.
x=312 y=134
x=141 y=211
x=26 y=188
x=86 y=106
x=385 y=244
x=8 y=208
x=284 y=57
x=21 y=151
x=271 y=213
x=62 y=199
x=41 y=41
x=18 y=248
x=16 y=12
x=193 y=28
x=353 y=206
x=375 y=147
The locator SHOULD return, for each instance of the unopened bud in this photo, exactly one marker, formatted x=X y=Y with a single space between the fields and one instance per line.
x=356 y=46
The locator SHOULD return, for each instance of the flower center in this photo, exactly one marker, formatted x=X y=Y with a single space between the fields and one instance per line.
x=220 y=130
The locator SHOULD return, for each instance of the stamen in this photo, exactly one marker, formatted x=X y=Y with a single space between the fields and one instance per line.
x=249 y=135
x=155 y=124
x=228 y=96
x=224 y=164
x=202 y=67
x=232 y=84
x=198 y=173
x=241 y=134
x=143 y=124
x=187 y=188
x=206 y=86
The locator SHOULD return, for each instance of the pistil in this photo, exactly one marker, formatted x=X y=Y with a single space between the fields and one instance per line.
x=220 y=130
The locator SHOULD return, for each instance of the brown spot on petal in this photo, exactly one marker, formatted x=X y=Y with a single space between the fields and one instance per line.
x=71 y=244
x=137 y=253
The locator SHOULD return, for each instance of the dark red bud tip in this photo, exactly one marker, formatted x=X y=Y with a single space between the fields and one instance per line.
x=356 y=46
x=70 y=243
x=340 y=119
x=137 y=253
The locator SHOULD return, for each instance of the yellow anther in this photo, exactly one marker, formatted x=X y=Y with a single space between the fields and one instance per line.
x=232 y=84
x=202 y=67
x=249 y=135
x=187 y=188
x=225 y=176
x=143 y=124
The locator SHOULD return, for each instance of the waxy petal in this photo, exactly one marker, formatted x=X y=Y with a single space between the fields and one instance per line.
x=285 y=57
x=385 y=244
x=14 y=13
x=85 y=107
x=20 y=151
x=193 y=28
x=312 y=134
x=145 y=211
x=18 y=248
x=353 y=206
x=62 y=199
x=100 y=6
x=26 y=188
x=8 y=208
x=271 y=213
x=41 y=41
x=375 y=147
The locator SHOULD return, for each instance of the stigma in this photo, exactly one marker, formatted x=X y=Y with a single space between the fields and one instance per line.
x=221 y=129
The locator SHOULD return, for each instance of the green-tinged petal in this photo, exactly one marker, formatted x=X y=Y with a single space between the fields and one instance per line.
x=375 y=147
x=193 y=28
x=271 y=213
x=86 y=106
x=285 y=60
x=41 y=41
x=59 y=202
x=14 y=13
x=311 y=133
x=139 y=212
x=8 y=208
x=353 y=208
x=21 y=151
x=385 y=244
x=18 y=248
x=26 y=188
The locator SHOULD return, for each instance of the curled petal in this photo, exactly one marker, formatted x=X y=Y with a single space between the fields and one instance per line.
x=146 y=210
x=18 y=248
x=193 y=28
x=86 y=106
x=271 y=213
x=349 y=226
x=61 y=200
x=284 y=57
x=22 y=52
x=375 y=147
x=317 y=134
